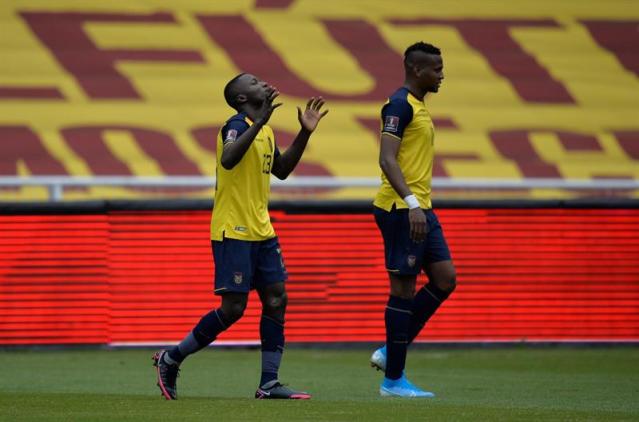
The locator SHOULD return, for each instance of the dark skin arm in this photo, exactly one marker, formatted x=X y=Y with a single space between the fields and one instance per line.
x=286 y=162
x=234 y=151
x=389 y=165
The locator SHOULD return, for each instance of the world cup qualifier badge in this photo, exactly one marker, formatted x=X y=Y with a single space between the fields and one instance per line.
x=237 y=278
x=231 y=136
x=391 y=123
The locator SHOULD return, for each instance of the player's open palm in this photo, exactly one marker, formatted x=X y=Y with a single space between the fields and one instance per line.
x=268 y=106
x=312 y=114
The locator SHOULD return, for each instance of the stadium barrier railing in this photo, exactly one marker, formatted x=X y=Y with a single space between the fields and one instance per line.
x=56 y=185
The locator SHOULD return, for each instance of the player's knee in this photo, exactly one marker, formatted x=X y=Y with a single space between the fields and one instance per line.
x=233 y=310
x=276 y=303
x=448 y=283
x=236 y=312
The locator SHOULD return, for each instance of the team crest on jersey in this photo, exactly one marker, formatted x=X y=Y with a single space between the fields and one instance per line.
x=231 y=136
x=237 y=278
x=391 y=123
x=411 y=260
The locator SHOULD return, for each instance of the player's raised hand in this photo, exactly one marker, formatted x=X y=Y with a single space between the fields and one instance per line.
x=268 y=106
x=312 y=114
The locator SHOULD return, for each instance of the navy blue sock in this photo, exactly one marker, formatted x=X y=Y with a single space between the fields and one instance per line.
x=425 y=303
x=397 y=317
x=202 y=335
x=272 y=335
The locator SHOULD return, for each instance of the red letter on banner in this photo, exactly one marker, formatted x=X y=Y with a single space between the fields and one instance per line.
x=491 y=38
x=620 y=37
x=20 y=143
x=94 y=68
x=516 y=145
x=88 y=142
x=250 y=53
x=30 y=92
x=629 y=141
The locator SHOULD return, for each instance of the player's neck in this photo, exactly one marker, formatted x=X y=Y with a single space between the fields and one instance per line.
x=250 y=111
x=414 y=89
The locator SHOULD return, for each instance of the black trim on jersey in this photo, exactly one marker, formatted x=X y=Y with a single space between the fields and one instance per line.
x=236 y=123
x=397 y=113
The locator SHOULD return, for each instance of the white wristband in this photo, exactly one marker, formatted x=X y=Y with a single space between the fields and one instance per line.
x=411 y=201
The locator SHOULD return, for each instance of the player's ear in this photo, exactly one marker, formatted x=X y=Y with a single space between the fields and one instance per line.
x=240 y=99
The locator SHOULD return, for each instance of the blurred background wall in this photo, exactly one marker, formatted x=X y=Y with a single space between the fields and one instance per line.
x=533 y=89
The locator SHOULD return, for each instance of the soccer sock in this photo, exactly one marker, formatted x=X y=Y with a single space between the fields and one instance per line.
x=425 y=303
x=397 y=317
x=272 y=335
x=202 y=335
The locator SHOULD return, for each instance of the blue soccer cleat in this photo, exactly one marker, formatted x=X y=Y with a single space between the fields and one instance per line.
x=378 y=359
x=402 y=388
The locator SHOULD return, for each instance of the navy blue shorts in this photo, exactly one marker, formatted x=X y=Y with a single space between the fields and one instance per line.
x=241 y=265
x=403 y=256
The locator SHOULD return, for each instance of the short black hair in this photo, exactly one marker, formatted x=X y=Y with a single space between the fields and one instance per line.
x=230 y=91
x=421 y=46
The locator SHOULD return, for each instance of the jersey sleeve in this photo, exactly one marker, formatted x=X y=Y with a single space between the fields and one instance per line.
x=233 y=129
x=396 y=115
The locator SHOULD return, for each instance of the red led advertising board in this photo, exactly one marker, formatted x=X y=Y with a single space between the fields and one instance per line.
x=146 y=277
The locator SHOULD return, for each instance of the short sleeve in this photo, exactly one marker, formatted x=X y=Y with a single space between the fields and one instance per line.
x=233 y=129
x=396 y=115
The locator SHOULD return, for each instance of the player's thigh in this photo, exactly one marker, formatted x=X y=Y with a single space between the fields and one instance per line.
x=442 y=274
x=436 y=249
x=402 y=256
x=234 y=265
x=402 y=285
x=438 y=264
x=270 y=268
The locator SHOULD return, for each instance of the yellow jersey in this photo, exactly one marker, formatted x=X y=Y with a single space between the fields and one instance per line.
x=406 y=118
x=242 y=193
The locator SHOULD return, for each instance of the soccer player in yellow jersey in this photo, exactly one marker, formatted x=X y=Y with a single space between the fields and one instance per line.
x=413 y=238
x=246 y=251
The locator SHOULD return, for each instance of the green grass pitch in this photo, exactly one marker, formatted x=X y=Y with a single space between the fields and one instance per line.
x=516 y=383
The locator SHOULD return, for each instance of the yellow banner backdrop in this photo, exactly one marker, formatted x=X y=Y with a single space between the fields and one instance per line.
x=533 y=89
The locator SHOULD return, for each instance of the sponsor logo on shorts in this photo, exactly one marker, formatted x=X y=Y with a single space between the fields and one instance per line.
x=391 y=123
x=237 y=278
x=279 y=252
x=411 y=260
